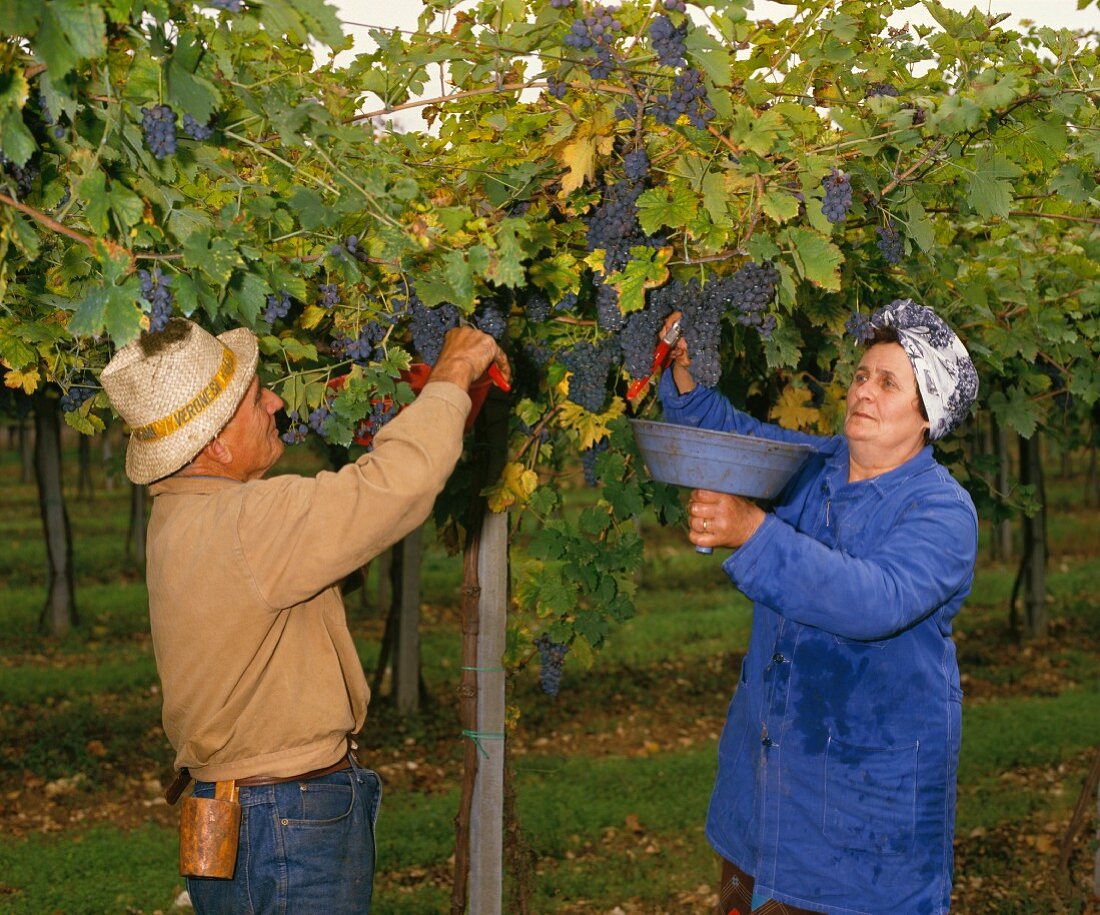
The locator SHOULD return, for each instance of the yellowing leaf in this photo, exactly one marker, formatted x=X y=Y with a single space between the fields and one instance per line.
x=590 y=427
x=514 y=487
x=28 y=381
x=311 y=316
x=792 y=411
x=580 y=158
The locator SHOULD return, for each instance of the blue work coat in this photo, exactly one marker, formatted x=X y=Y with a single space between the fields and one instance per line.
x=837 y=762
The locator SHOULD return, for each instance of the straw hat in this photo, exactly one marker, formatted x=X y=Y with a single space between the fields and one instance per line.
x=176 y=390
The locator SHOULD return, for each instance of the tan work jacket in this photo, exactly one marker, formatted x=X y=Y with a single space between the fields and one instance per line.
x=258 y=670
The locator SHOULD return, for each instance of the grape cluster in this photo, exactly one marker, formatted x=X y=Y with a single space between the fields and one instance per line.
x=330 y=295
x=155 y=288
x=687 y=97
x=596 y=29
x=230 y=6
x=48 y=118
x=278 y=305
x=23 y=175
x=491 y=320
x=567 y=303
x=429 y=327
x=668 y=41
x=636 y=165
x=838 y=196
x=349 y=246
x=195 y=130
x=751 y=289
x=296 y=431
x=551 y=662
x=678 y=6
x=702 y=327
x=362 y=347
x=82 y=388
x=159 y=124
x=589 y=364
x=639 y=336
x=608 y=314
x=613 y=225
x=860 y=327
x=889 y=242
x=588 y=462
x=881 y=89
x=380 y=414
x=537 y=307
x=556 y=87
x=560 y=4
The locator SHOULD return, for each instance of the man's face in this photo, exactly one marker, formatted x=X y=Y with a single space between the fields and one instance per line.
x=251 y=434
x=883 y=403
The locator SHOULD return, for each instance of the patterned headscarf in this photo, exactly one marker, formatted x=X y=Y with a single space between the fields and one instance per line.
x=945 y=373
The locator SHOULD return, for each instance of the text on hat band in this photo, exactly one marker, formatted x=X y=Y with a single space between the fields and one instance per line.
x=177 y=419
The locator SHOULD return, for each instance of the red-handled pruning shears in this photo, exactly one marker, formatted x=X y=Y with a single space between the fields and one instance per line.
x=497 y=377
x=660 y=358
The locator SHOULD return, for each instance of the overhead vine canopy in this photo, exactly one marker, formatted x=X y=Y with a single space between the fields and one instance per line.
x=586 y=170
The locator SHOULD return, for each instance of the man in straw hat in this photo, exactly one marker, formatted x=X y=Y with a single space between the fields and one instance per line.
x=261 y=681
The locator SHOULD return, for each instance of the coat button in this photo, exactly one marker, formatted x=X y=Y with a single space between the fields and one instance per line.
x=778 y=658
x=766 y=741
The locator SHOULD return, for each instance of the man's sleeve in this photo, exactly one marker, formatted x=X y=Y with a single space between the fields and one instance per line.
x=300 y=535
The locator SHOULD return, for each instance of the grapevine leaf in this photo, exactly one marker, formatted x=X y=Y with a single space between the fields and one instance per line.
x=590 y=427
x=817 y=258
x=1015 y=410
x=190 y=93
x=28 y=380
x=671 y=205
x=793 y=410
x=990 y=193
x=515 y=486
x=920 y=227
x=647 y=269
x=579 y=157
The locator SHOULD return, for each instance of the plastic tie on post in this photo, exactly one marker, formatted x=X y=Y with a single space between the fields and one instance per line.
x=477 y=736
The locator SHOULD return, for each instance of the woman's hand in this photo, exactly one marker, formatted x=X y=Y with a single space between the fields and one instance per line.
x=716 y=519
x=678 y=355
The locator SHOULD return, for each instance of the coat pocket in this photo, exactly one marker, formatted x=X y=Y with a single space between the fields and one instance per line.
x=870 y=797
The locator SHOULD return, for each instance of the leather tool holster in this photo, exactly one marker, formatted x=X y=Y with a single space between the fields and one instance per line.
x=210 y=828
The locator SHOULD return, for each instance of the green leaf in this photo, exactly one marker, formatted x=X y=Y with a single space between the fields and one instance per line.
x=190 y=93
x=989 y=193
x=646 y=269
x=1016 y=410
x=920 y=227
x=15 y=140
x=672 y=206
x=309 y=207
x=98 y=202
x=816 y=258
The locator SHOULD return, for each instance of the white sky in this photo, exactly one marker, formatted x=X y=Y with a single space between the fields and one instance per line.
x=358 y=14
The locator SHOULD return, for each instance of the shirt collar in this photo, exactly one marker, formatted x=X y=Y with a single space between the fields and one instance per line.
x=196 y=485
x=884 y=483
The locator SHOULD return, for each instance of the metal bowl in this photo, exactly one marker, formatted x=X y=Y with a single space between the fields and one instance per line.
x=719 y=461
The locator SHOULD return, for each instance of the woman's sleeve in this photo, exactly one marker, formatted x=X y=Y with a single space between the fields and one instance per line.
x=705 y=408
x=921 y=562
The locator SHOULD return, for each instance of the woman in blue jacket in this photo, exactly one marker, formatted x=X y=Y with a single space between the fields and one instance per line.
x=836 y=767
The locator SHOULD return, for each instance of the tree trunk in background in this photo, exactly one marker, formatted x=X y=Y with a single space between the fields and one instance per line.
x=108 y=454
x=1034 y=540
x=26 y=451
x=1002 y=530
x=135 y=537
x=84 y=480
x=59 y=614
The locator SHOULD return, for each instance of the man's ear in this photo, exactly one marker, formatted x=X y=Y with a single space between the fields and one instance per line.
x=218 y=451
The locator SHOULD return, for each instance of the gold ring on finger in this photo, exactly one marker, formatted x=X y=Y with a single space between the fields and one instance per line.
x=704 y=525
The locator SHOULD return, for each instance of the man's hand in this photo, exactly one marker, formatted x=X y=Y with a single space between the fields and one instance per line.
x=466 y=355
x=678 y=355
x=718 y=519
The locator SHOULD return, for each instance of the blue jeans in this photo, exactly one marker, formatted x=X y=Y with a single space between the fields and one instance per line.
x=304 y=847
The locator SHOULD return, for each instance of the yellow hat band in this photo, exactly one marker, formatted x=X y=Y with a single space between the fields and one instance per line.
x=177 y=419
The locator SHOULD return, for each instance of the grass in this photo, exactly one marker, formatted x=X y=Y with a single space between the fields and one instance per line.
x=612 y=779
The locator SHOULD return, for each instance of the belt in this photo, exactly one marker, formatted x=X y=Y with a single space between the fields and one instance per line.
x=255 y=781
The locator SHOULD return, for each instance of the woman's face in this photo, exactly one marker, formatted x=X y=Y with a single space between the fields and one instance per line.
x=884 y=405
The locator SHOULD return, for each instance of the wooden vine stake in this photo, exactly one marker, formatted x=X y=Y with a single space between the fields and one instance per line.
x=479 y=822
